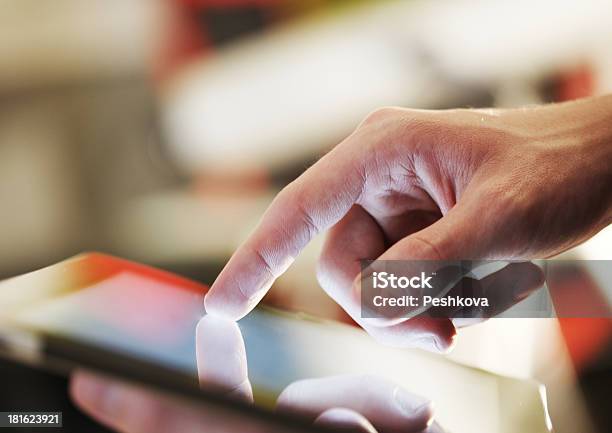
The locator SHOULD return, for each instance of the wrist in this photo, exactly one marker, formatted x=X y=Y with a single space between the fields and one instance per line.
x=572 y=144
x=583 y=138
x=594 y=146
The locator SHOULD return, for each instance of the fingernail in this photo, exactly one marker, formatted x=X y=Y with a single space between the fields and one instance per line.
x=412 y=405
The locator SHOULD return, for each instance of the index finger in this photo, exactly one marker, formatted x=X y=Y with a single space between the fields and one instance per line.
x=319 y=198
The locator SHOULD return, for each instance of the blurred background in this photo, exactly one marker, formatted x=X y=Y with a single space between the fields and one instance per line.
x=159 y=130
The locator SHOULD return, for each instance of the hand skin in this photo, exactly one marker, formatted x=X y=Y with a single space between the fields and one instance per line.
x=347 y=403
x=415 y=184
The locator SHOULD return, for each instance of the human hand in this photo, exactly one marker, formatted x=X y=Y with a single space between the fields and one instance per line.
x=348 y=403
x=441 y=185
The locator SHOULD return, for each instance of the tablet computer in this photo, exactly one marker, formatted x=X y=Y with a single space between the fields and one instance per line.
x=138 y=323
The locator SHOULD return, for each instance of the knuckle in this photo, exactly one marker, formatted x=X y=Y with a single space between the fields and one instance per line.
x=380 y=115
x=296 y=199
x=264 y=262
x=424 y=247
x=515 y=214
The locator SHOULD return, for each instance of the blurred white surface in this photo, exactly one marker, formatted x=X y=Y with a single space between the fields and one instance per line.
x=66 y=40
x=501 y=40
x=298 y=89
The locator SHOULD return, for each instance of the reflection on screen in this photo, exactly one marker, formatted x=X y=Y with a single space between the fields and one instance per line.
x=127 y=312
x=148 y=314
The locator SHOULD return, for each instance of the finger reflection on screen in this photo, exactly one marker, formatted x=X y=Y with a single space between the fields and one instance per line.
x=221 y=358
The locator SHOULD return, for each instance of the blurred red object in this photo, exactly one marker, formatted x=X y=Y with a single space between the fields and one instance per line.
x=182 y=43
x=583 y=313
x=575 y=83
x=187 y=37
x=226 y=3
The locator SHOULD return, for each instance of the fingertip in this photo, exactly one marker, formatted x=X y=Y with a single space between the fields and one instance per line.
x=438 y=334
x=445 y=336
x=220 y=306
x=433 y=335
x=221 y=357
